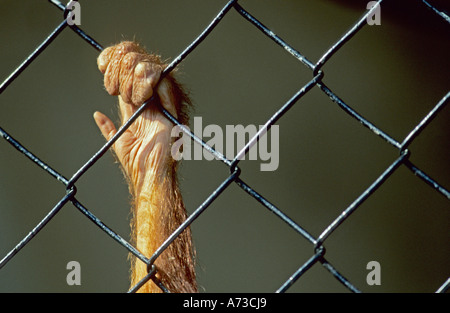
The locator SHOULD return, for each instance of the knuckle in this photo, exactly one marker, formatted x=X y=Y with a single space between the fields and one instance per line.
x=128 y=63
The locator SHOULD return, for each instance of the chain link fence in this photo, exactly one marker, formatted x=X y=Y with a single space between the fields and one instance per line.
x=317 y=69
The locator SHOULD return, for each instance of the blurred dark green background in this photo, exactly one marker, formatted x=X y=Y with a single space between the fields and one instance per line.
x=392 y=74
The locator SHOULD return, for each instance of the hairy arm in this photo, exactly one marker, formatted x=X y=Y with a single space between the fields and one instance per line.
x=144 y=154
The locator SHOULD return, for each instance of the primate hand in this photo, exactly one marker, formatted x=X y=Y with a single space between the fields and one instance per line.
x=132 y=74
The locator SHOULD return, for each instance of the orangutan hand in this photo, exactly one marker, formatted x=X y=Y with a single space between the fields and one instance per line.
x=132 y=74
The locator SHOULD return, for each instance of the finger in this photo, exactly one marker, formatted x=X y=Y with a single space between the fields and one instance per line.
x=127 y=74
x=103 y=59
x=112 y=73
x=146 y=77
x=166 y=96
x=105 y=125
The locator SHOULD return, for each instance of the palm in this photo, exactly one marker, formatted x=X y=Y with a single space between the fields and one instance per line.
x=136 y=144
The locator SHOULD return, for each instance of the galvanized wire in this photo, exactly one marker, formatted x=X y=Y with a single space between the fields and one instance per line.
x=234 y=175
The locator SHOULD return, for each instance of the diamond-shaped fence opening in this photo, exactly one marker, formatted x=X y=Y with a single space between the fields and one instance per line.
x=317 y=239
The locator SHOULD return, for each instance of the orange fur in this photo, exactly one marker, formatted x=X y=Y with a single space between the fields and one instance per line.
x=158 y=211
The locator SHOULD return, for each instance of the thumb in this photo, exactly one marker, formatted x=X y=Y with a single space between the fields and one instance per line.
x=105 y=125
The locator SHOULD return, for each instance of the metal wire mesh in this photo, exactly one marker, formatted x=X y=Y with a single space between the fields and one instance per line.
x=318 y=243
